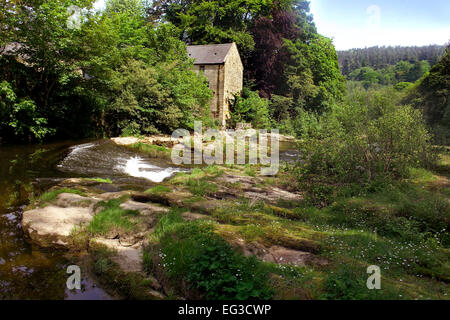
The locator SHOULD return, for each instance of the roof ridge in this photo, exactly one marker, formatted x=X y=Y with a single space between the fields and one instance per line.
x=209 y=53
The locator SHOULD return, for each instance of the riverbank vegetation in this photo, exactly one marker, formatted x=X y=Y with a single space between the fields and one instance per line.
x=243 y=238
x=125 y=71
x=369 y=187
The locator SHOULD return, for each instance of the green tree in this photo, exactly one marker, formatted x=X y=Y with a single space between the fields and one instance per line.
x=145 y=78
x=419 y=69
x=250 y=107
x=217 y=21
x=402 y=70
x=19 y=117
x=431 y=95
x=312 y=76
x=44 y=67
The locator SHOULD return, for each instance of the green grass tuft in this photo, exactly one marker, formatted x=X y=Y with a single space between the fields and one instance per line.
x=201 y=187
x=153 y=151
x=159 y=190
x=112 y=217
x=100 y=180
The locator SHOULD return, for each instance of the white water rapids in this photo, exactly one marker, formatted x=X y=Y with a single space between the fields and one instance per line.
x=139 y=168
x=104 y=159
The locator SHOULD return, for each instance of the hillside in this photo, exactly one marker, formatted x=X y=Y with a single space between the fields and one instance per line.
x=382 y=57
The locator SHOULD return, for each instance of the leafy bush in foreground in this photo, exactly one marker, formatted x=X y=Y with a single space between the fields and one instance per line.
x=192 y=253
x=367 y=138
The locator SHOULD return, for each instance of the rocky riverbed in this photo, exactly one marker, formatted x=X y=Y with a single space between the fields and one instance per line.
x=73 y=216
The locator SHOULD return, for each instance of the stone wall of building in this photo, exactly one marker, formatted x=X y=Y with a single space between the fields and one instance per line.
x=215 y=75
x=234 y=74
x=224 y=80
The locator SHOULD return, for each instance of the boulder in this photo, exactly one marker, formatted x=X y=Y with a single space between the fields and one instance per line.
x=52 y=226
x=128 y=258
x=279 y=254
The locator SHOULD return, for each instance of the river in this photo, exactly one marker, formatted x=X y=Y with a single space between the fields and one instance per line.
x=28 y=272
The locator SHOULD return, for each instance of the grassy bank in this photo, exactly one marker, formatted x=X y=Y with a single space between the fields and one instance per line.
x=210 y=241
x=401 y=227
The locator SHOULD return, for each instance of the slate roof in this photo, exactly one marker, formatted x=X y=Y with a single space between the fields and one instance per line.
x=209 y=54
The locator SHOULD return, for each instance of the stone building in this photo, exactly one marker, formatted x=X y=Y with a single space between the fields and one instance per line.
x=222 y=65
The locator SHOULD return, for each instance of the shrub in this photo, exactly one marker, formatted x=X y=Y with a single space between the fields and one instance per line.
x=367 y=138
x=131 y=130
x=20 y=117
x=250 y=107
x=150 y=99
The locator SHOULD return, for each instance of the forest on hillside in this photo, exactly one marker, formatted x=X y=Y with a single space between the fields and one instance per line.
x=382 y=57
x=388 y=65
x=93 y=79
x=82 y=81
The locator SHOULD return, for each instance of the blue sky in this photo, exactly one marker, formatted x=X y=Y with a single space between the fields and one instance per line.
x=365 y=23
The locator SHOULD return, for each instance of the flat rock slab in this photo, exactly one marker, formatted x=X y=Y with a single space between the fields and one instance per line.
x=251 y=191
x=191 y=216
x=245 y=181
x=125 y=141
x=272 y=194
x=162 y=140
x=51 y=226
x=66 y=200
x=206 y=206
x=129 y=259
x=279 y=255
x=113 y=195
x=173 y=198
x=144 y=209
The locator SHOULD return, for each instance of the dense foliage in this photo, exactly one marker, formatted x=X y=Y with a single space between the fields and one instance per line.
x=282 y=52
x=399 y=75
x=113 y=73
x=196 y=259
x=125 y=70
x=431 y=95
x=370 y=137
x=249 y=107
